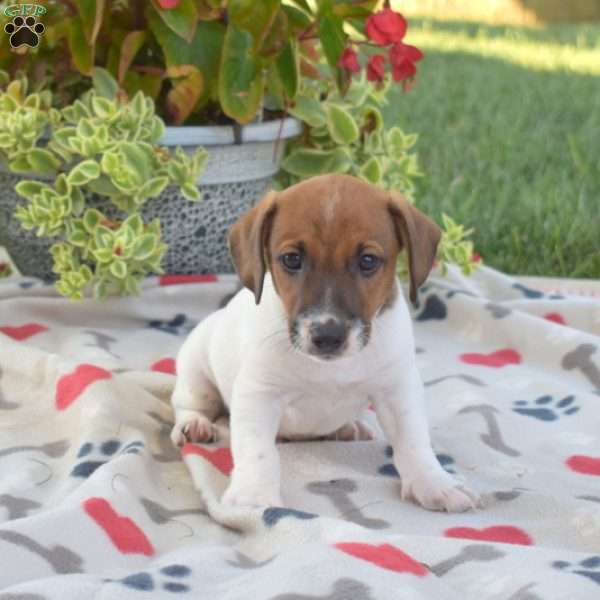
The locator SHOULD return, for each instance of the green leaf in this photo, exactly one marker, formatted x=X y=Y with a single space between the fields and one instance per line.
x=333 y=40
x=144 y=246
x=309 y=110
x=253 y=17
x=153 y=187
x=131 y=45
x=181 y=20
x=28 y=189
x=104 y=83
x=134 y=222
x=297 y=19
x=191 y=192
x=119 y=269
x=240 y=78
x=42 y=161
x=103 y=237
x=305 y=162
x=82 y=54
x=204 y=51
x=341 y=125
x=138 y=158
x=287 y=69
x=91 y=219
x=91 y=13
x=103 y=255
x=371 y=171
x=84 y=172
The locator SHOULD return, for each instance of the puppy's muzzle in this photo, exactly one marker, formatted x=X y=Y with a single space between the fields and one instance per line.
x=328 y=338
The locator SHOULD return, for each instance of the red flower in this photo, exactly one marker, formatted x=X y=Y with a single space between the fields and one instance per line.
x=376 y=68
x=349 y=60
x=386 y=27
x=403 y=58
x=168 y=4
x=475 y=257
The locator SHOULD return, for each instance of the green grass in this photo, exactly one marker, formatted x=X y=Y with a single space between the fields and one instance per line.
x=509 y=140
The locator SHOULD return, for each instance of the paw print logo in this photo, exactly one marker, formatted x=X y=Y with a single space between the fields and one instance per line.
x=170 y=578
x=24 y=31
x=589 y=567
x=546 y=408
x=105 y=452
x=445 y=460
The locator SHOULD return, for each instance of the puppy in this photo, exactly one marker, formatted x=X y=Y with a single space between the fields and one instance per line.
x=321 y=332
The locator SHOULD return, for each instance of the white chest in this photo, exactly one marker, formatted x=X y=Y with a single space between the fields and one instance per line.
x=321 y=409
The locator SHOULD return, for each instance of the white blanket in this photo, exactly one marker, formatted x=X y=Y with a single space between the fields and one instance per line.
x=95 y=503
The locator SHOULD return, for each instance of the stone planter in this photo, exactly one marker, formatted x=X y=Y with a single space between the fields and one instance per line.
x=237 y=175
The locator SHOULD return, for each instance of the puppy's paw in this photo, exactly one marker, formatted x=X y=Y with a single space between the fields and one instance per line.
x=251 y=498
x=194 y=428
x=439 y=492
x=351 y=432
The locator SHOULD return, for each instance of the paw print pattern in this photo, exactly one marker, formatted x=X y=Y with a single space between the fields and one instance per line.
x=106 y=450
x=389 y=469
x=168 y=578
x=24 y=32
x=178 y=325
x=589 y=567
x=546 y=408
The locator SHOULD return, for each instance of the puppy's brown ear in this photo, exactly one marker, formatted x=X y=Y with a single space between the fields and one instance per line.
x=248 y=241
x=419 y=235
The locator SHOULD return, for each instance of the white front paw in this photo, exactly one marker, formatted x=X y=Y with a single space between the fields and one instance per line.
x=439 y=492
x=250 y=497
x=194 y=427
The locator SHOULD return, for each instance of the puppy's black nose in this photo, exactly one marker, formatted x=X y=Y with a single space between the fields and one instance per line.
x=329 y=336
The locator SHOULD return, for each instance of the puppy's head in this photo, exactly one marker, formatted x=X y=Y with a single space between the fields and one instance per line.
x=331 y=245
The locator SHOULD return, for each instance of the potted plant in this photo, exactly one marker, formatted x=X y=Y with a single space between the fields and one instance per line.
x=229 y=75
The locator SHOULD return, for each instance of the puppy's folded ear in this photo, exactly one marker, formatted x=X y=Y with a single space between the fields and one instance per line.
x=248 y=243
x=419 y=235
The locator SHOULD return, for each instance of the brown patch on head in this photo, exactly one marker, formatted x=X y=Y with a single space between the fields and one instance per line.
x=333 y=222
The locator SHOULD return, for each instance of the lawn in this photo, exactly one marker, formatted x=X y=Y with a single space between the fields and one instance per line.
x=509 y=126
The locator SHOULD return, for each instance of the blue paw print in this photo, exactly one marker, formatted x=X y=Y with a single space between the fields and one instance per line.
x=169 y=579
x=177 y=325
x=106 y=450
x=272 y=515
x=546 y=408
x=389 y=469
x=589 y=567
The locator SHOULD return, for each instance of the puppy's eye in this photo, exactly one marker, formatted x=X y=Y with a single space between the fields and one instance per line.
x=369 y=263
x=292 y=261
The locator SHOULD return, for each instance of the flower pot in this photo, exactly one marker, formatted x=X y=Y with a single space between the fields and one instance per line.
x=237 y=175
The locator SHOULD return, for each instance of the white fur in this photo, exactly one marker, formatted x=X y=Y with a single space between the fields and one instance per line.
x=241 y=356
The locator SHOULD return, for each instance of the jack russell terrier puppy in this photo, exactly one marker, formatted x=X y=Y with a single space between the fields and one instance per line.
x=321 y=332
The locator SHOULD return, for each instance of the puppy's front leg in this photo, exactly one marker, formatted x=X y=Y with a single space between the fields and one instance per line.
x=401 y=413
x=254 y=422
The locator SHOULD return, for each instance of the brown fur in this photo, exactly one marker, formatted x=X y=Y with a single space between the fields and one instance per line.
x=364 y=217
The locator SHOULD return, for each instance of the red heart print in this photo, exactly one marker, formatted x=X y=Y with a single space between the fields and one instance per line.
x=23 y=332
x=165 y=365
x=177 y=279
x=126 y=536
x=70 y=386
x=505 y=534
x=497 y=359
x=556 y=318
x=385 y=556
x=587 y=465
x=221 y=458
